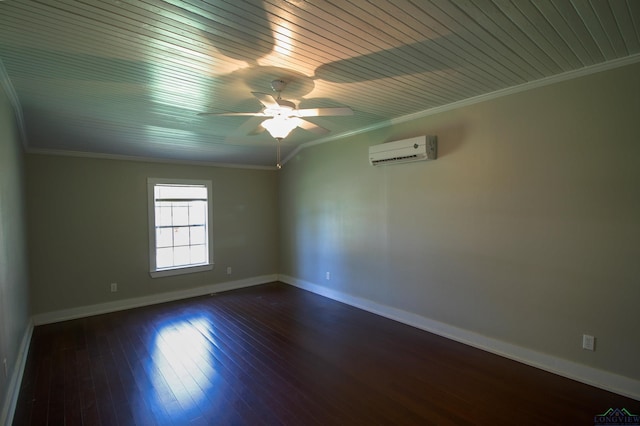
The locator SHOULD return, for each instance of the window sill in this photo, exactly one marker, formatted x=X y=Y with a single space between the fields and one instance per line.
x=180 y=271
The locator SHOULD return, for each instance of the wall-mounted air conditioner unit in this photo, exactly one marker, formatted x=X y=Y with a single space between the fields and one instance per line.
x=420 y=148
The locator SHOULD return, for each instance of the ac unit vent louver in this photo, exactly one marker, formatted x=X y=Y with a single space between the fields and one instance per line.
x=420 y=148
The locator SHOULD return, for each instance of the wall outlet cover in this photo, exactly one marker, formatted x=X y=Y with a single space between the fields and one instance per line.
x=588 y=342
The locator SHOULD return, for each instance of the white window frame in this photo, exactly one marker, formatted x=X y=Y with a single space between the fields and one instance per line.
x=177 y=270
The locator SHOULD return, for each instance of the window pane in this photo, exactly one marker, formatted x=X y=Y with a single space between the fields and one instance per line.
x=181 y=236
x=163 y=214
x=164 y=237
x=181 y=256
x=180 y=214
x=198 y=254
x=198 y=213
x=198 y=235
x=164 y=258
x=180 y=191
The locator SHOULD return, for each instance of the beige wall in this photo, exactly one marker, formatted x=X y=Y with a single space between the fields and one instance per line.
x=526 y=229
x=88 y=228
x=14 y=292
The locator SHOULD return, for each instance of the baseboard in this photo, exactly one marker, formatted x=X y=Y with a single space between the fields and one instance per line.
x=13 y=391
x=103 y=308
x=599 y=378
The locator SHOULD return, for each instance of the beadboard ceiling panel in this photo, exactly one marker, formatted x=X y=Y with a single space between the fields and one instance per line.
x=128 y=78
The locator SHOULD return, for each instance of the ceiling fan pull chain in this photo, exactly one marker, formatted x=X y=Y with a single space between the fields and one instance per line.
x=278 y=165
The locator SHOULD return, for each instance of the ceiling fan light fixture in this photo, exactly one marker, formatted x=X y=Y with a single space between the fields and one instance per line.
x=280 y=127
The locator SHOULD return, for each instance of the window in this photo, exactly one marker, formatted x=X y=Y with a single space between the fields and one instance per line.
x=179 y=226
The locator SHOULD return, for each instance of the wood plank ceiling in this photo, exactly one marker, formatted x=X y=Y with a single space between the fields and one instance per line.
x=127 y=78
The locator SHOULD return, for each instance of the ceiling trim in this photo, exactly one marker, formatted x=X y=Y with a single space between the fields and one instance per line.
x=6 y=84
x=568 y=75
x=99 y=156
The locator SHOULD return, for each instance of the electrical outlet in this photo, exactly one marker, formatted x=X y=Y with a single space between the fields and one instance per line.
x=328 y=275
x=228 y=270
x=114 y=287
x=588 y=342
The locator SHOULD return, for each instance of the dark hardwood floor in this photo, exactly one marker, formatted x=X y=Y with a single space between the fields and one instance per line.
x=274 y=354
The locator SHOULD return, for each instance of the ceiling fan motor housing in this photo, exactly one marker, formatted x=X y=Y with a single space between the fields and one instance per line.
x=278 y=85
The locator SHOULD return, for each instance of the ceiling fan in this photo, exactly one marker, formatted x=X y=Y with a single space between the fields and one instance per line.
x=283 y=116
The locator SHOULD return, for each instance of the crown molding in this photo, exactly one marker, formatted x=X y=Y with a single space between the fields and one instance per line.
x=6 y=84
x=100 y=156
x=568 y=75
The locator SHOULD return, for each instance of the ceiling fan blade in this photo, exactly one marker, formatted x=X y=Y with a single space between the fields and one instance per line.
x=233 y=114
x=314 y=128
x=317 y=112
x=257 y=130
x=266 y=99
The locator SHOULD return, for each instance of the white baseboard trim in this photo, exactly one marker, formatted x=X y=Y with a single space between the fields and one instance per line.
x=562 y=367
x=13 y=391
x=119 y=305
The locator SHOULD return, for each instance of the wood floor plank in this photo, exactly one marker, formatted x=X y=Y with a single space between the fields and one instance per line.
x=333 y=381
x=263 y=365
x=274 y=355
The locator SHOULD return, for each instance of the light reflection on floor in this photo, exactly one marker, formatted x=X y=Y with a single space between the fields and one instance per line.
x=182 y=368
